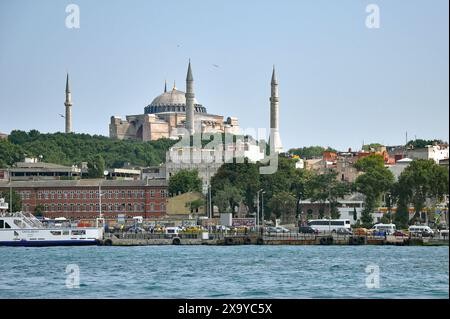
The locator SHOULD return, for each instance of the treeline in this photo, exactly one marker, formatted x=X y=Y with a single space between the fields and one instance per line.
x=70 y=149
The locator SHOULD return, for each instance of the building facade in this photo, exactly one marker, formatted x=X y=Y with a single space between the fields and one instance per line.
x=77 y=199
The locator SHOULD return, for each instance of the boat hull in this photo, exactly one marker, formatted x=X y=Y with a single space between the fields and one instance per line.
x=48 y=243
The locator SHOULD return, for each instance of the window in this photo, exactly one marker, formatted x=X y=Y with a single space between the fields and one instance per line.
x=79 y=232
x=55 y=233
x=7 y=225
x=2 y=224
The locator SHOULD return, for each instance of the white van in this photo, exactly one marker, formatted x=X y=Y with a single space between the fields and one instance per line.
x=389 y=229
x=420 y=230
x=172 y=230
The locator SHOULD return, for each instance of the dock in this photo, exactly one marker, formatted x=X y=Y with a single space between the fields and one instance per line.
x=223 y=239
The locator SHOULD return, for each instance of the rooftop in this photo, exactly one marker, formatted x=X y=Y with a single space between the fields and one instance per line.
x=84 y=183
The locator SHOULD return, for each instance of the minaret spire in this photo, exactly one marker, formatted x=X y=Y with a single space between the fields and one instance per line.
x=275 y=140
x=68 y=105
x=165 y=86
x=190 y=100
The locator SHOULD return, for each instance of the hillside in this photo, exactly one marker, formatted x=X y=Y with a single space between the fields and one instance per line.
x=69 y=149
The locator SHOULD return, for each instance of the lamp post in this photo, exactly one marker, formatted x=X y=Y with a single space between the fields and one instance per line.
x=257 y=208
x=262 y=208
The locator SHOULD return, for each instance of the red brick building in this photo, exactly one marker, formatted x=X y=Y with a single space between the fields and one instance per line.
x=76 y=199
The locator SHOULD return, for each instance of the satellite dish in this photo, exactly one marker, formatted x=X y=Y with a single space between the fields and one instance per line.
x=105 y=173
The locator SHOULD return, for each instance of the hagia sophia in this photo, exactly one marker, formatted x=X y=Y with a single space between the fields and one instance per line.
x=167 y=113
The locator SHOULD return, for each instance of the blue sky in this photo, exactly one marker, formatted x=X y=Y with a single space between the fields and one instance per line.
x=340 y=82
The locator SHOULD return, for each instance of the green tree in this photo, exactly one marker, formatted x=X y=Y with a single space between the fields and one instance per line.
x=420 y=143
x=185 y=181
x=96 y=167
x=195 y=204
x=422 y=180
x=368 y=162
x=373 y=184
x=326 y=187
x=310 y=151
x=371 y=146
x=227 y=199
x=16 y=200
x=243 y=176
x=283 y=205
x=69 y=149
x=39 y=211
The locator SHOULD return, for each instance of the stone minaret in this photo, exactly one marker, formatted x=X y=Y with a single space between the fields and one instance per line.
x=275 y=139
x=68 y=104
x=190 y=100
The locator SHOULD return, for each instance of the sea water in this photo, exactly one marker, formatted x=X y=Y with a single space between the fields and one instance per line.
x=225 y=272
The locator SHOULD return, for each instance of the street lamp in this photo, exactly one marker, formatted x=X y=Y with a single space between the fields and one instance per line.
x=262 y=208
x=257 y=208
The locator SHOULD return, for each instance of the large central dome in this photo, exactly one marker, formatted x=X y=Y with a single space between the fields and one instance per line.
x=172 y=101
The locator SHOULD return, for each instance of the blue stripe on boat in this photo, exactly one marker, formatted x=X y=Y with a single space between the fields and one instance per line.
x=41 y=243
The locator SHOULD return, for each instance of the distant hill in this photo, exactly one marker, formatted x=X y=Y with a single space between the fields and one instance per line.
x=69 y=149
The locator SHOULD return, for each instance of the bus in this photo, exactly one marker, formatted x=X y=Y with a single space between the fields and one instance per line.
x=329 y=225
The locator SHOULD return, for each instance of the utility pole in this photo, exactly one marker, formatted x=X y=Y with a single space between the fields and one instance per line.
x=10 y=191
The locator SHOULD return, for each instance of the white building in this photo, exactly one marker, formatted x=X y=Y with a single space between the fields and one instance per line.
x=399 y=167
x=435 y=152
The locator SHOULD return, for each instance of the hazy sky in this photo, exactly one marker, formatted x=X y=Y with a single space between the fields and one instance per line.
x=340 y=82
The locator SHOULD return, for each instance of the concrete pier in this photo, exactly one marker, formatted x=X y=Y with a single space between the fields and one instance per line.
x=266 y=239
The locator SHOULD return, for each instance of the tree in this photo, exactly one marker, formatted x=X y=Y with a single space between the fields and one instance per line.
x=195 y=204
x=228 y=199
x=96 y=167
x=70 y=149
x=420 y=143
x=355 y=214
x=368 y=162
x=326 y=187
x=243 y=176
x=375 y=181
x=283 y=205
x=422 y=180
x=39 y=210
x=185 y=181
x=16 y=200
x=371 y=146
x=310 y=152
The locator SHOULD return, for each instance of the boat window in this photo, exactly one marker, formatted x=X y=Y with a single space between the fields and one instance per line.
x=79 y=232
x=7 y=225
x=1 y=223
x=65 y=232
x=55 y=233
x=19 y=223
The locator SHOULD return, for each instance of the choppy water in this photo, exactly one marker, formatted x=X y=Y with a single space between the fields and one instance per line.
x=225 y=272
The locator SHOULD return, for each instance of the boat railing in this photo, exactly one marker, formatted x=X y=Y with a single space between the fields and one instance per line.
x=29 y=219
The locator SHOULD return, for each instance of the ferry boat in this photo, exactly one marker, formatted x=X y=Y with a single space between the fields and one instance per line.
x=24 y=229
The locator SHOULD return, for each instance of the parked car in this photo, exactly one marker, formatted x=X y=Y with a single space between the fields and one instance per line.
x=399 y=233
x=360 y=231
x=306 y=230
x=278 y=229
x=343 y=231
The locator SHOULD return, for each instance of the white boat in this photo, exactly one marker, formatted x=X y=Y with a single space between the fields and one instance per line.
x=24 y=229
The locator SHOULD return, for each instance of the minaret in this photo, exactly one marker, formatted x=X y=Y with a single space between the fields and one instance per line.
x=68 y=104
x=275 y=139
x=190 y=100
x=165 y=86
